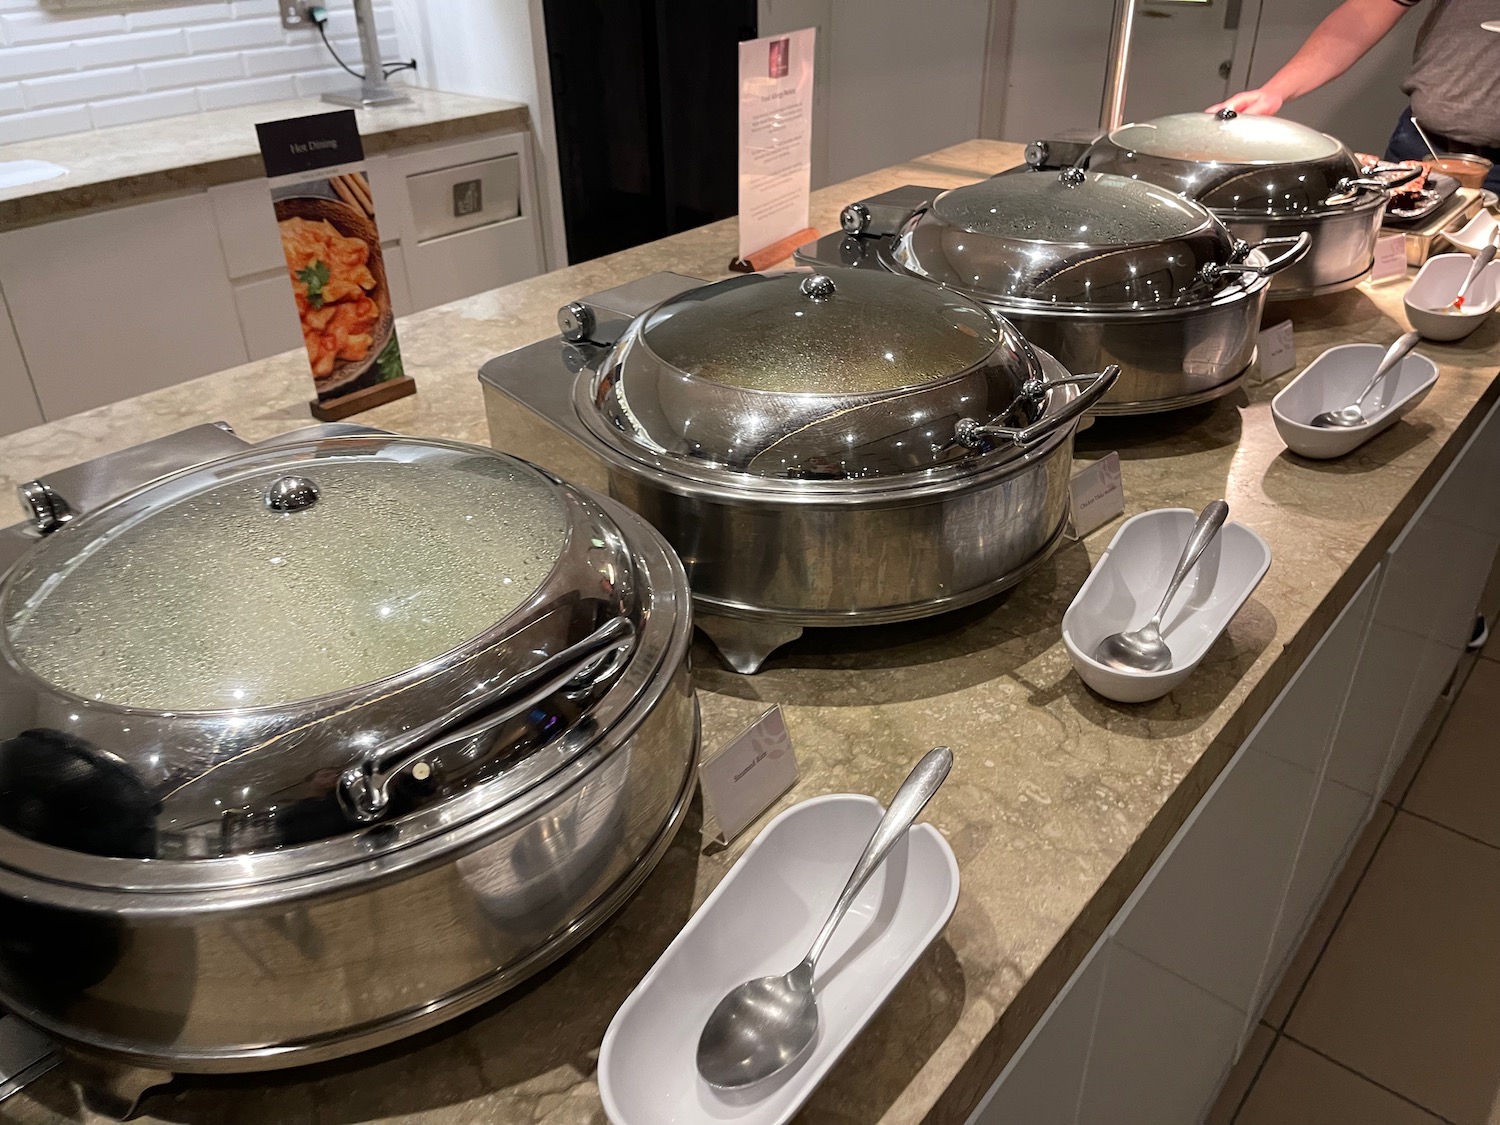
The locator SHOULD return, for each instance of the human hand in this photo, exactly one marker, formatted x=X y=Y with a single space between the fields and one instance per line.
x=1262 y=102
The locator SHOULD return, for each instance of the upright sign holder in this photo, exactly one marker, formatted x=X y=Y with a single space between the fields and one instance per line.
x=325 y=214
x=776 y=90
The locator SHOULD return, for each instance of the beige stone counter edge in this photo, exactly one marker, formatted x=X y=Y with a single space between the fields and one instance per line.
x=1037 y=993
x=59 y=199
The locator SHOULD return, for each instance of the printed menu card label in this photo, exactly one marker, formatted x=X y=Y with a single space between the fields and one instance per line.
x=1097 y=496
x=1390 y=257
x=742 y=780
x=1276 y=352
x=325 y=214
x=776 y=91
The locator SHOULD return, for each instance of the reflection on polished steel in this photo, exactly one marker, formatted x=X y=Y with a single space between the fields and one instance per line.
x=763 y=1025
x=1143 y=650
x=188 y=891
x=1353 y=414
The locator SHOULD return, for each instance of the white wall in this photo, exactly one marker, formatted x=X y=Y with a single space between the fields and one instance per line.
x=71 y=65
x=893 y=79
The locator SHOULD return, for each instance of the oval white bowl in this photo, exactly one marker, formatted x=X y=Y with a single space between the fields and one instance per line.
x=1434 y=288
x=1126 y=586
x=1334 y=380
x=761 y=920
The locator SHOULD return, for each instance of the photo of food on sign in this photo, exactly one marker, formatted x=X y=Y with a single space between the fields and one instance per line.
x=332 y=250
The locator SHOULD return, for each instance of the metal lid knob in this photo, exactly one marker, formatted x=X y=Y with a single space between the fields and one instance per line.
x=855 y=218
x=576 y=321
x=46 y=507
x=1226 y=114
x=817 y=287
x=291 y=494
x=1073 y=177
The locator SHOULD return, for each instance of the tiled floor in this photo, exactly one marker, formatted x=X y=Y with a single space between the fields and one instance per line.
x=1390 y=1011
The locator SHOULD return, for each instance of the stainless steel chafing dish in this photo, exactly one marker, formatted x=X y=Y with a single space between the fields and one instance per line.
x=839 y=448
x=1266 y=177
x=1094 y=268
x=314 y=745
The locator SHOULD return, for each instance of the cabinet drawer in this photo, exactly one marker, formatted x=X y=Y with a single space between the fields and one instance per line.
x=466 y=196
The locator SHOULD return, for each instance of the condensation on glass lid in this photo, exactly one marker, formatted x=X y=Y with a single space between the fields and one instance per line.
x=1103 y=210
x=876 y=332
x=1246 y=139
x=213 y=602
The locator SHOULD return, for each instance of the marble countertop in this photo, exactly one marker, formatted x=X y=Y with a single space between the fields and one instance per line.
x=132 y=163
x=1058 y=803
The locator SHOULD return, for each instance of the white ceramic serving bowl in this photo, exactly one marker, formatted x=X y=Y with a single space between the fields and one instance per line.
x=1434 y=288
x=761 y=920
x=1126 y=586
x=1334 y=380
x=1476 y=234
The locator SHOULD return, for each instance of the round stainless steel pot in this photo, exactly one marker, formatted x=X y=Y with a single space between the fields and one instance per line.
x=1266 y=178
x=1101 y=269
x=791 y=510
x=286 y=883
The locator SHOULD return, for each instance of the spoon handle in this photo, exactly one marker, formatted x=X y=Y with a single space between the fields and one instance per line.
x=1393 y=355
x=1209 y=521
x=910 y=799
x=1482 y=259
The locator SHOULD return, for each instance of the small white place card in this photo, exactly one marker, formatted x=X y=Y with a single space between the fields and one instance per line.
x=1390 y=257
x=1097 y=496
x=745 y=777
x=1276 y=351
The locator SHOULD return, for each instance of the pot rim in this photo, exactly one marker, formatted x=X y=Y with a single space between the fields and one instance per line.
x=425 y=836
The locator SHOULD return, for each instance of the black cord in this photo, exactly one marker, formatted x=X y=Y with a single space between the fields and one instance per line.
x=396 y=68
x=323 y=31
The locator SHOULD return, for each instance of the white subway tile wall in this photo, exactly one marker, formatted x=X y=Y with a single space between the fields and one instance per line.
x=71 y=65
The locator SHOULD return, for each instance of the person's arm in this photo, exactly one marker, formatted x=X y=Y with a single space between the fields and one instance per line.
x=1335 y=45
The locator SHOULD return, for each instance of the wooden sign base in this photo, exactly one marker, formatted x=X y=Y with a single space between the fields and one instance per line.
x=367 y=399
x=776 y=252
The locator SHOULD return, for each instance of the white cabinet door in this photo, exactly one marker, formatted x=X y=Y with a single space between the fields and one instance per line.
x=117 y=303
x=1339 y=809
x=1042 y=1082
x=18 y=405
x=1161 y=1047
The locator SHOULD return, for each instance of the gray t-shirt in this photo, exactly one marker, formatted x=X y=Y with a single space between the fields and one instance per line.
x=1454 y=83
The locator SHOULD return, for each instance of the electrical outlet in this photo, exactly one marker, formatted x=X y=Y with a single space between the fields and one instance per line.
x=294 y=14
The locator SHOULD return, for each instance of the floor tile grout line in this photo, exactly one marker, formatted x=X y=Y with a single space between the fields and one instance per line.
x=1333 y=929
x=1254 y=1078
x=1449 y=828
x=1367 y=1078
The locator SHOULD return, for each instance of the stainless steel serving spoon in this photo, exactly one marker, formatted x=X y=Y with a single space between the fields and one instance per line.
x=763 y=1025
x=1352 y=415
x=1143 y=650
x=1485 y=256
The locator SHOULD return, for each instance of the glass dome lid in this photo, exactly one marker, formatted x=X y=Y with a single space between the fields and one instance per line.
x=844 y=374
x=1235 y=163
x=277 y=647
x=1073 y=240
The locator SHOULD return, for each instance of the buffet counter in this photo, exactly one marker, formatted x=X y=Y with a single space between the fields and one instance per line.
x=1059 y=802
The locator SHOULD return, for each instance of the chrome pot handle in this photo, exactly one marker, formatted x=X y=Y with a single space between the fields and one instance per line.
x=975 y=435
x=1386 y=179
x=1297 y=248
x=364 y=788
